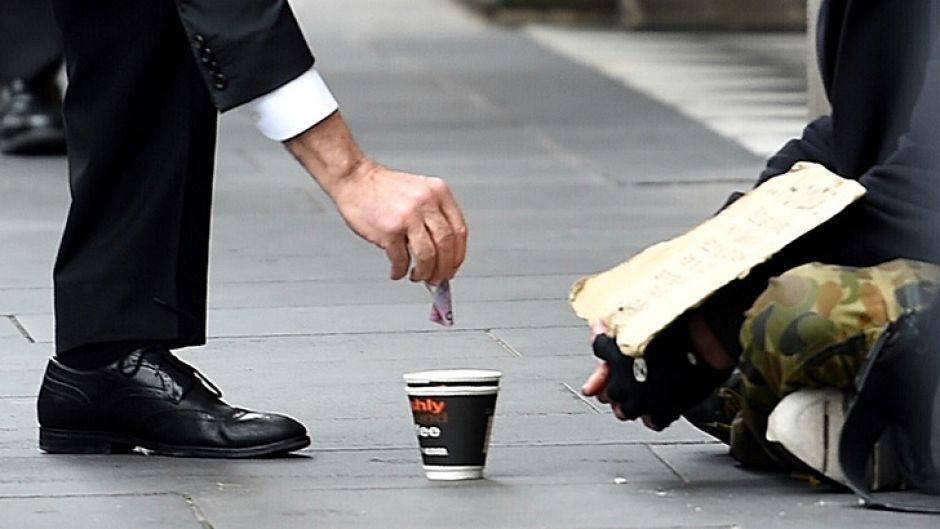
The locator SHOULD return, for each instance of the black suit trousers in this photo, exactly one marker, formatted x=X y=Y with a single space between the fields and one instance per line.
x=141 y=130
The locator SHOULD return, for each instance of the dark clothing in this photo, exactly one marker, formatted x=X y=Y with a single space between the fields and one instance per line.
x=145 y=82
x=30 y=46
x=880 y=63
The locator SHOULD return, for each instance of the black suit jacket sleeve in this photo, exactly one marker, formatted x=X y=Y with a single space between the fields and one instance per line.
x=244 y=48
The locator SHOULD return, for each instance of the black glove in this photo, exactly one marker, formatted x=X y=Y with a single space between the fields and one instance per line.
x=669 y=379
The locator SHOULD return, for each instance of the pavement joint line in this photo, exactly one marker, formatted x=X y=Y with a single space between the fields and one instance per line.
x=353 y=281
x=581 y=398
x=549 y=444
x=20 y=327
x=365 y=303
x=334 y=281
x=313 y=199
x=569 y=157
x=458 y=484
x=691 y=183
x=412 y=331
x=669 y=465
x=68 y=495
x=216 y=337
x=198 y=512
x=245 y=155
x=479 y=100
x=360 y=418
x=393 y=304
x=502 y=343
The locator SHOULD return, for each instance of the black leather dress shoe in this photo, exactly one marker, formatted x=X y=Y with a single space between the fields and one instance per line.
x=31 y=118
x=152 y=400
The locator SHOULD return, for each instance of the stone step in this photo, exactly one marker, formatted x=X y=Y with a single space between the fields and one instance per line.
x=704 y=15
x=714 y=14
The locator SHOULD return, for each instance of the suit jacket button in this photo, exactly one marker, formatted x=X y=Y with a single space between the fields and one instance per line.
x=200 y=40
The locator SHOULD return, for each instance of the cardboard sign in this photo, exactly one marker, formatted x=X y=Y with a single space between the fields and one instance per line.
x=642 y=296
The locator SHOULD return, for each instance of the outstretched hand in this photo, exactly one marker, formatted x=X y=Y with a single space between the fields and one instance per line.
x=411 y=217
x=656 y=388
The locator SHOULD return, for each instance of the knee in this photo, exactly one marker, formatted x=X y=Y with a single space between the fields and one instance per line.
x=791 y=315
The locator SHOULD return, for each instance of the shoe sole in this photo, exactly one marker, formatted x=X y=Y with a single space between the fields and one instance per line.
x=35 y=142
x=53 y=441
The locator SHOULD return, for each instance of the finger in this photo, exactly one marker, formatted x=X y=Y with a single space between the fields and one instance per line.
x=622 y=388
x=629 y=409
x=660 y=421
x=606 y=348
x=444 y=244
x=648 y=422
x=597 y=381
x=618 y=411
x=422 y=249
x=458 y=225
x=400 y=258
x=603 y=397
x=598 y=327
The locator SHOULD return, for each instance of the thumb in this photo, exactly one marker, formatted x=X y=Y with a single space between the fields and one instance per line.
x=597 y=381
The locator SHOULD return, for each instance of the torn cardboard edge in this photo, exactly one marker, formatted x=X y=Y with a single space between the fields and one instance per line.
x=640 y=297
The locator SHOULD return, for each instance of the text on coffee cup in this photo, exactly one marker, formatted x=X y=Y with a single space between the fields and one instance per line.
x=428 y=406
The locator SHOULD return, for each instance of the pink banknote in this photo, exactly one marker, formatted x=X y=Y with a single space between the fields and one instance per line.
x=442 y=311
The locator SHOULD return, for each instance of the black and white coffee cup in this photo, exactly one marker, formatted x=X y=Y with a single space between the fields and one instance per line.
x=453 y=417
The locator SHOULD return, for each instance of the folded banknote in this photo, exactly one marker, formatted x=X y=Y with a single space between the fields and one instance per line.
x=441 y=310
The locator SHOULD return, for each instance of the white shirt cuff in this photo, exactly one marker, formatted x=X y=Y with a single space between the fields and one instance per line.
x=293 y=108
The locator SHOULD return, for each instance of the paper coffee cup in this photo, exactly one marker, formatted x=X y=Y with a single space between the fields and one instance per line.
x=453 y=417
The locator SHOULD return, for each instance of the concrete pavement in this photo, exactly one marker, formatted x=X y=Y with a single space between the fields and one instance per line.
x=562 y=171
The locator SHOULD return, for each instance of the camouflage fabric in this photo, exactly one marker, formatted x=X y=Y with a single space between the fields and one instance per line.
x=811 y=328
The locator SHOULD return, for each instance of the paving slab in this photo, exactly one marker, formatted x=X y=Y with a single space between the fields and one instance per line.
x=93 y=512
x=563 y=169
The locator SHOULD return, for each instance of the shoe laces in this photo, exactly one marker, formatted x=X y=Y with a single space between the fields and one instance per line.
x=165 y=380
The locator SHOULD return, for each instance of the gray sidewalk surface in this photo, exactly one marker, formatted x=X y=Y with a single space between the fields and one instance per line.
x=562 y=171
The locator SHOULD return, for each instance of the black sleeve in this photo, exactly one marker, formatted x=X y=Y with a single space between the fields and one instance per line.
x=902 y=207
x=244 y=48
x=815 y=145
x=900 y=213
x=898 y=217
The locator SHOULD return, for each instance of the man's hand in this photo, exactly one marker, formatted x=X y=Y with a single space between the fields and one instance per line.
x=404 y=214
x=669 y=379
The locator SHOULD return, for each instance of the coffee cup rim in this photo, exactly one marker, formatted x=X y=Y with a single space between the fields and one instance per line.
x=453 y=376
x=451 y=391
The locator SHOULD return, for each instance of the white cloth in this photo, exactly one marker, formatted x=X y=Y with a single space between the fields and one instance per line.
x=293 y=108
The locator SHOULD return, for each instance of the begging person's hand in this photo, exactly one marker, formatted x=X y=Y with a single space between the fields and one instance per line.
x=669 y=379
